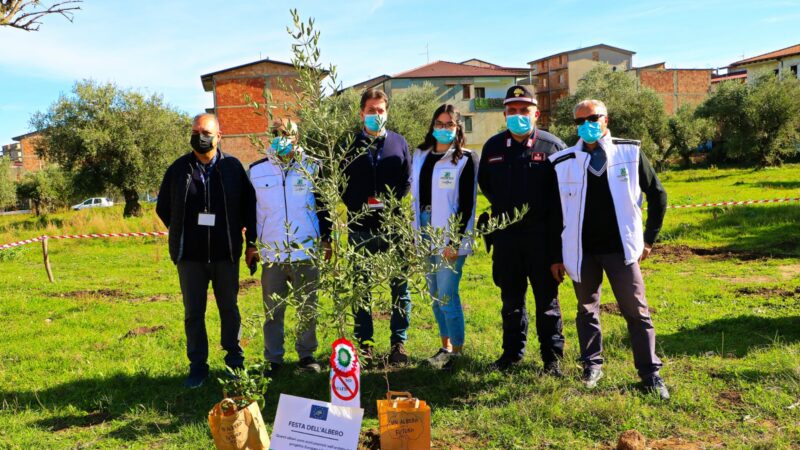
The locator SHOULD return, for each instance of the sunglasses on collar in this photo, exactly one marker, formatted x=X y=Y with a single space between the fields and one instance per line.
x=592 y=118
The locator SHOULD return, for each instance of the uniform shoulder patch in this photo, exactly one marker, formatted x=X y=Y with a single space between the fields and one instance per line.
x=563 y=158
x=618 y=141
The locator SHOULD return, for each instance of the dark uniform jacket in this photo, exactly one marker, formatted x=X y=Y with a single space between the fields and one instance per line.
x=512 y=174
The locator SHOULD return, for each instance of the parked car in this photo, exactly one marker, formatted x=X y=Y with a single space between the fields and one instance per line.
x=95 y=202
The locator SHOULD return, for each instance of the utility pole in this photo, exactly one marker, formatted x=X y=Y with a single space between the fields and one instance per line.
x=427 y=54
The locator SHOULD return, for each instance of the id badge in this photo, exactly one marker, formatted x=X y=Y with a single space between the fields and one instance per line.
x=374 y=203
x=206 y=219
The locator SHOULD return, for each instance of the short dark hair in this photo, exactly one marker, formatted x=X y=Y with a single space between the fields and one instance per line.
x=371 y=94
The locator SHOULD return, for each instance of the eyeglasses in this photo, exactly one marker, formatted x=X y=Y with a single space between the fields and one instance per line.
x=448 y=125
x=282 y=133
x=592 y=118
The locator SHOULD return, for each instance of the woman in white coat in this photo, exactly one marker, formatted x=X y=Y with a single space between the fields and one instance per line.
x=444 y=179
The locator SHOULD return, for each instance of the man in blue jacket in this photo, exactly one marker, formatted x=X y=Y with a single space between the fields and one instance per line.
x=205 y=200
x=379 y=165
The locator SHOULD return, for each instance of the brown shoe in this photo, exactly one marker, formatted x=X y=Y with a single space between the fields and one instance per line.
x=366 y=358
x=398 y=355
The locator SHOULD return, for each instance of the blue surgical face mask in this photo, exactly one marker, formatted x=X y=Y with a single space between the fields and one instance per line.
x=443 y=135
x=590 y=132
x=519 y=124
x=282 y=146
x=375 y=122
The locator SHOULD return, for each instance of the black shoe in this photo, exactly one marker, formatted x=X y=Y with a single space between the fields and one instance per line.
x=504 y=363
x=398 y=355
x=366 y=359
x=273 y=370
x=591 y=376
x=309 y=364
x=655 y=383
x=553 y=368
x=195 y=379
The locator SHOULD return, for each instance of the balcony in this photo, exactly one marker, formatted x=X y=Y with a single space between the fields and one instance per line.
x=483 y=104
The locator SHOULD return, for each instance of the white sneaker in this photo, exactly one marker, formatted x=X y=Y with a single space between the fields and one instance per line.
x=441 y=358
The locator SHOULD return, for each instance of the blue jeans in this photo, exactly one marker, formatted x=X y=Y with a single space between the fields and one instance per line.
x=443 y=285
x=401 y=297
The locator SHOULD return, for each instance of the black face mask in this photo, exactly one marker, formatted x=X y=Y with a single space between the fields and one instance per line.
x=201 y=143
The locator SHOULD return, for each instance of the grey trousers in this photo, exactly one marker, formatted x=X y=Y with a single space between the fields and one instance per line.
x=275 y=281
x=628 y=287
x=194 y=277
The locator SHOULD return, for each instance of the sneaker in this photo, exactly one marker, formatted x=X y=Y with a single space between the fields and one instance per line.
x=366 y=359
x=441 y=358
x=553 y=368
x=655 y=383
x=504 y=363
x=309 y=364
x=195 y=379
x=591 y=376
x=398 y=355
x=273 y=370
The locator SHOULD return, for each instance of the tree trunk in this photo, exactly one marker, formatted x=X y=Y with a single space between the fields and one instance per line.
x=132 y=206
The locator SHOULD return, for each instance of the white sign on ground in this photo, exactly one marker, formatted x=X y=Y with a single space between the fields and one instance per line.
x=302 y=423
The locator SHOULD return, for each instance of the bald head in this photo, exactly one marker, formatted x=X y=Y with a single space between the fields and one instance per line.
x=205 y=121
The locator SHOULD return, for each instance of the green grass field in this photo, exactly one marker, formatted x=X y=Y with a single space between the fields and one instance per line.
x=97 y=359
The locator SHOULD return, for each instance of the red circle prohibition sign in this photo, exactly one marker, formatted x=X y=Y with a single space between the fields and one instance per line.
x=353 y=392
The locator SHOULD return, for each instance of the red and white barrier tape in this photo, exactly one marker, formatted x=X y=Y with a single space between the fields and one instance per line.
x=743 y=202
x=84 y=236
x=164 y=233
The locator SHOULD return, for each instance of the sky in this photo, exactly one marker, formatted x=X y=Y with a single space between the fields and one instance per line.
x=164 y=47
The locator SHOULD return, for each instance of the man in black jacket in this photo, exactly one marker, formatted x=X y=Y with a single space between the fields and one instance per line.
x=379 y=166
x=514 y=172
x=205 y=200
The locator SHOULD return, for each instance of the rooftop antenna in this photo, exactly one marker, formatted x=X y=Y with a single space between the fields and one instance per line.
x=427 y=54
x=259 y=56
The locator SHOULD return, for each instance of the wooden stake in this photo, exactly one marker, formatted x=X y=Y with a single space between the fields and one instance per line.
x=46 y=255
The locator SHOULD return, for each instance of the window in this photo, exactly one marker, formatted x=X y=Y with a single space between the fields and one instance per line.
x=794 y=70
x=544 y=83
x=468 y=124
x=466 y=87
x=97 y=201
x=561 y=78
x=595 y=55
x=480 y=92
x=88 y=202
x=775 y=72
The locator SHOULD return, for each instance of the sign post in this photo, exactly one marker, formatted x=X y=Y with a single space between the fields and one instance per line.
x=345 y=375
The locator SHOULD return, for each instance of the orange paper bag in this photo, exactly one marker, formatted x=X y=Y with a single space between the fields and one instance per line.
x=237 y=429
x=405 y=422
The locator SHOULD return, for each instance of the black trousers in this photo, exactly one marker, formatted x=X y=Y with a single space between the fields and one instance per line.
x=224 y=277
x=518 y=259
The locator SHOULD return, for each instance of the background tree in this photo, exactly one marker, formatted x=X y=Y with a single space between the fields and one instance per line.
x=111 y=138
x=410 y=112
x=27 y=14
x=47 y=189
x=634 y=112
x=758 y=122
x=8 y=194
x=686 y=132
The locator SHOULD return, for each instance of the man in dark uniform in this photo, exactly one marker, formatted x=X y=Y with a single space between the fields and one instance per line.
x=514 y=171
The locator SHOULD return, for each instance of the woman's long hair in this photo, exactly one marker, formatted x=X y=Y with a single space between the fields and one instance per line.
x=459 y=142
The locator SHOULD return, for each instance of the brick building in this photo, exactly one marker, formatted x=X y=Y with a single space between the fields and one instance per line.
x=556 y=76
x=238 y=119
x=676 y=87
x=23 y=156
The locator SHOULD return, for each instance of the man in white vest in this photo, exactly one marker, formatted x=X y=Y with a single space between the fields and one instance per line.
x=292 y=226
x=601 y=181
